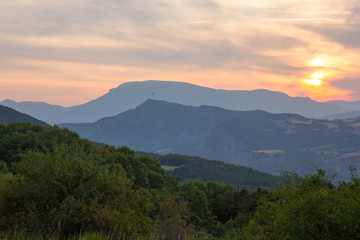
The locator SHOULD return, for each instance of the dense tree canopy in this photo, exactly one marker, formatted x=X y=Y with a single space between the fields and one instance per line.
x=55 y=184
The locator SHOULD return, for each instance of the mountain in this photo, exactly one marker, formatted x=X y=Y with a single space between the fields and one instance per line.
x=8 y=115
x=40 y=110
x=352 y=110
x=129 y=95
x=258 y=139
x=345 y=115
x=349 y=106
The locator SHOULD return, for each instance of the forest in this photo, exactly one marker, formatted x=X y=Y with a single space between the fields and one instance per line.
x=55 y=185
x=188 y=168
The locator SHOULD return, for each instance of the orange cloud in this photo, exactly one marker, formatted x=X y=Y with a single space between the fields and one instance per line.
x=83 y=48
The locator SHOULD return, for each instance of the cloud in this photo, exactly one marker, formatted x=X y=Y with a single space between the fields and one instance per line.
x=351 y=85
x=348 y=83
x=240 y=39
x=346 y=34
x=345 y=29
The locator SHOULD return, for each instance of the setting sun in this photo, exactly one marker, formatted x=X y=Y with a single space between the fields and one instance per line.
x=313 y=82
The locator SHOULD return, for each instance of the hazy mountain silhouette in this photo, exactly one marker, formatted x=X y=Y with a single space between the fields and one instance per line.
x=350 y=106
x=258 y=139
x=345 y=115
x=9 y=115
x=129 y=95
x=44 y=111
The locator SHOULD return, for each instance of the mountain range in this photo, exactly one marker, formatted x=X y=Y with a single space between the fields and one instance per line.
x=129 y=95
x=185 y=168
x=258 y=139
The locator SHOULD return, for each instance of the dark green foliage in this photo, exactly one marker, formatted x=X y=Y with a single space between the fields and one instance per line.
x=213 y=205
x=172 y=220
x=19 y=138
x=61 y=184
x=55 y=184
x=309 y=208
x=65 y=194
x=188 y=168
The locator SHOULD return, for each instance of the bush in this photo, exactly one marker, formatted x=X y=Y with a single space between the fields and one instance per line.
x=309 y=208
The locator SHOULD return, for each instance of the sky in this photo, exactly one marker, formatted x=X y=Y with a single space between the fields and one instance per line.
x=70 y=52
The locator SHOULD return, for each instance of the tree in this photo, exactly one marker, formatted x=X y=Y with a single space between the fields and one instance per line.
x=71 y=193
x=311 y=207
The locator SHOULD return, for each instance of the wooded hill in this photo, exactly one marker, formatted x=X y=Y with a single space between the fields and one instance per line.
x=55 y=185
x=188 y=168
x=261 y=140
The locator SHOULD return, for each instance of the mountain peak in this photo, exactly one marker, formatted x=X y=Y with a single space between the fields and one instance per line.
x=161 y=106
x=7 y=101
x=151 y=102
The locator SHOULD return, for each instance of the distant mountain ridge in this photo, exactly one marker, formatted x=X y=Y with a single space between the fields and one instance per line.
x=345 y=115
x=131 y=94
x=9 y=115
x=261 y=140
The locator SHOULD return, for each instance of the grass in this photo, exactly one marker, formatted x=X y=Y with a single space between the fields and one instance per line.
x=169 y=168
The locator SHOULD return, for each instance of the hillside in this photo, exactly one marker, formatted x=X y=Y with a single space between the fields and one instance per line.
x=188 y=168
x=8 y=115
x=129 y=95
x=257 y=139
x=104 y=192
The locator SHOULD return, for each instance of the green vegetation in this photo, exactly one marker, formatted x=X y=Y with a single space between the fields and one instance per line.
x=188 y=168
x=310 y=207
x=257 y=139
x=55 y=185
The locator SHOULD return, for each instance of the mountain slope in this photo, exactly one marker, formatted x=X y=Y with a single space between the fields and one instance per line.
x=188 y=168
x=264 y=141
x=46 y=112
x=8 y=115
x=129 y=95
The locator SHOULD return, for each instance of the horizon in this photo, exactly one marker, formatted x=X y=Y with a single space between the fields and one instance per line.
x=69 y=53
x=96 y=97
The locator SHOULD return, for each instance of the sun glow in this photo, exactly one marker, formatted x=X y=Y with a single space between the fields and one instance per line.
x=316 y=79
x=318 y=75
x=318 y=62
x=313 y=82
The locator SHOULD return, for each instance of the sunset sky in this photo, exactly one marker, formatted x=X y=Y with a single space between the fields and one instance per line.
x=69 y=52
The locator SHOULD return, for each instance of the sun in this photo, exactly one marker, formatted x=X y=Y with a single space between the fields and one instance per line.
x=316 y=79
x=313 y=82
